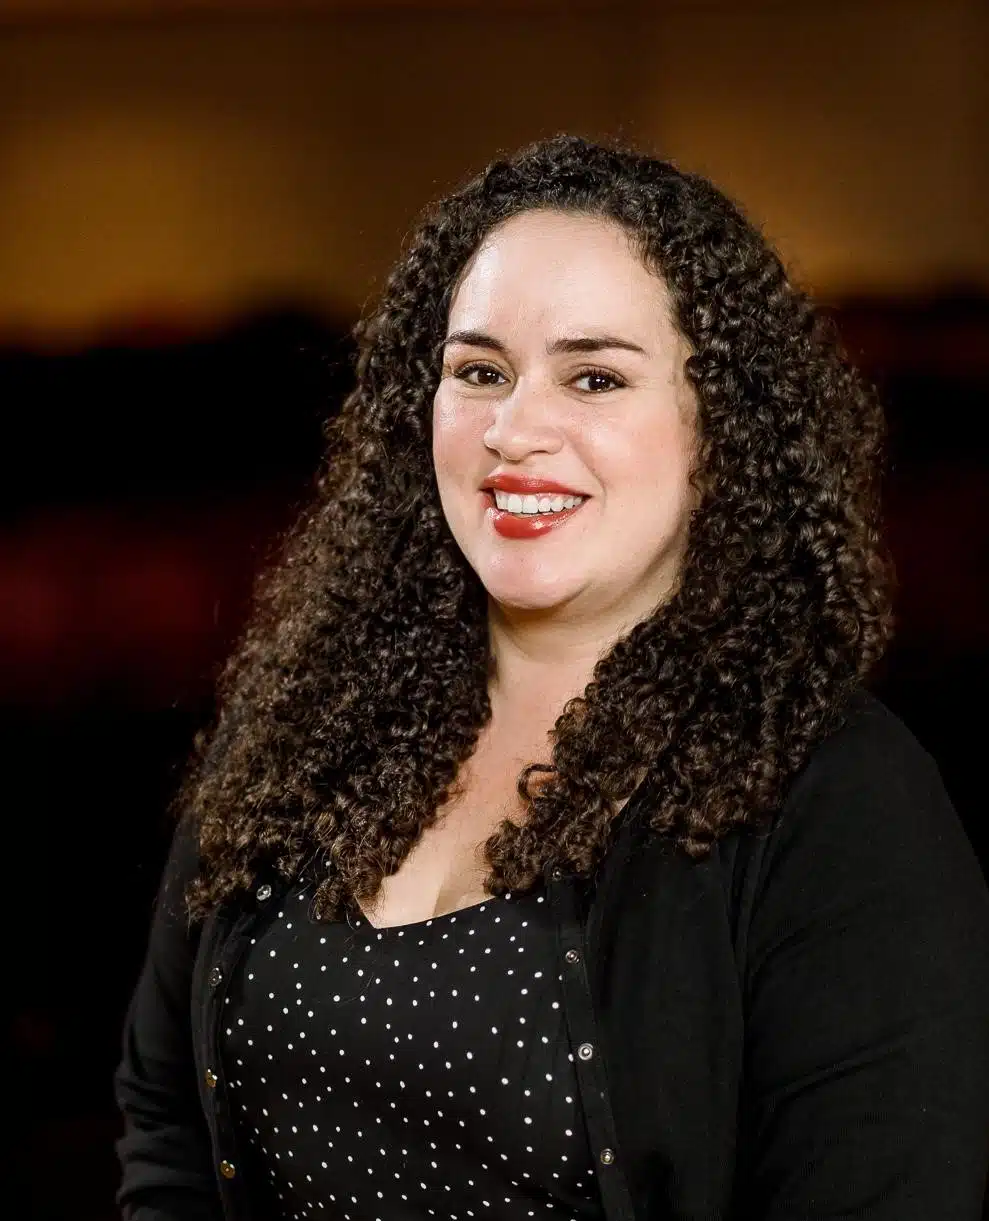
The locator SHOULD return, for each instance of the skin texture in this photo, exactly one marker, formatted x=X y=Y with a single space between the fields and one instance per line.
x=384 y=640
x=616 y=425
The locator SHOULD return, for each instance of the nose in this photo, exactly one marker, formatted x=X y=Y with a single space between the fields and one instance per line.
x=523 y=424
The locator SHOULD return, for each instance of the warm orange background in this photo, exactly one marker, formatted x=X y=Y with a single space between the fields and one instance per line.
x=202 y=163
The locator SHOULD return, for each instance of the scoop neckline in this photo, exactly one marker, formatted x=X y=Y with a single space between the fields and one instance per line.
x=449 y=917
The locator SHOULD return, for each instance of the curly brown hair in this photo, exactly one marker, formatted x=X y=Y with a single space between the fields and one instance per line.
x=361 y=684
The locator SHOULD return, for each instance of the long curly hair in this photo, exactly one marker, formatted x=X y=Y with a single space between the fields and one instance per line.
x=360 y=685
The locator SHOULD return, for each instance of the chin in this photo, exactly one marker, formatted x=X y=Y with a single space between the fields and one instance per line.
x=528 y=596
x=533 y=605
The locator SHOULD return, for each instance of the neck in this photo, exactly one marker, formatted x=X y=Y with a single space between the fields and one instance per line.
x=541 y=660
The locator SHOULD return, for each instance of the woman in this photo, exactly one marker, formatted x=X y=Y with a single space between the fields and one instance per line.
x=548 y=858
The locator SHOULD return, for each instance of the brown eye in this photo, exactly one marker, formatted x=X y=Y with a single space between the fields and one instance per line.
x=480 y=375
x=598 y=381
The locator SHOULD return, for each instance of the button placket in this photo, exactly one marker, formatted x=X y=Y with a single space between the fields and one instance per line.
x=227 y=947
x=588 y=1061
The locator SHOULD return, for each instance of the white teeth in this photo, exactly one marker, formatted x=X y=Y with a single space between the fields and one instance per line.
x=533 y=505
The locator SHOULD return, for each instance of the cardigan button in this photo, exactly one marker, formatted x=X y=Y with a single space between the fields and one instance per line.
x=585 y=1051
x=607 y=1156
x=556 y=875
x=572 y=956
x=227 y=1169
x=214 y=977
x=210 y=1078
x=263 y=892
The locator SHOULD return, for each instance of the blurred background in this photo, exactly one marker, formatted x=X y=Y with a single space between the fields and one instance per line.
x=196 y=202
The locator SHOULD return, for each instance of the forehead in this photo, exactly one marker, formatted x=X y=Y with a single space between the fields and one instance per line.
x=558 y=270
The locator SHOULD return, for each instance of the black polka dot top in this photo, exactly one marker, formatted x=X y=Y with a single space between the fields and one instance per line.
x=421 y=1071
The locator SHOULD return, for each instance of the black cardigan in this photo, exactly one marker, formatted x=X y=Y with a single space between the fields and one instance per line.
x=795 y=1028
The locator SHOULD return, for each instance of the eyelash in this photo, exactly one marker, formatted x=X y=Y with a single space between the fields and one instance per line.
x=587 y=371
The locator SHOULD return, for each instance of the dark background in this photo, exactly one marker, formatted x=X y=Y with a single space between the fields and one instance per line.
x=195 y=203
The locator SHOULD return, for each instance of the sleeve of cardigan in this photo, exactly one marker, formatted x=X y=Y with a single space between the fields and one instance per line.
x=165 y=1153
x=866 y=1083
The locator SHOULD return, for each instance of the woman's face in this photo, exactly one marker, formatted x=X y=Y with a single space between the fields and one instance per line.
x=562 y=370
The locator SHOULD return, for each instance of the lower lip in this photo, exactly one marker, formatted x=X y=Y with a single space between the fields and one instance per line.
x=532 y=525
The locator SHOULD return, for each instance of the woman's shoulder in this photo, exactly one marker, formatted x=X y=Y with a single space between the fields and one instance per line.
x=871 y=772
x=869 y=804
x=180 y=870
x=872 y=745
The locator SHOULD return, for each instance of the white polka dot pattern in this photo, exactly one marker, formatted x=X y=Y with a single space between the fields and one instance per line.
x=421 y=1071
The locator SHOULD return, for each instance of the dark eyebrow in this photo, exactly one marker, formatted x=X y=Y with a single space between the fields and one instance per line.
x=576 y=343
x=475 y=339
x=593 y=343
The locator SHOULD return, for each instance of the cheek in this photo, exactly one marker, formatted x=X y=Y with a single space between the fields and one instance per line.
x=441 y=434
x=456 y=435
x=649 y=466
x=655 y=449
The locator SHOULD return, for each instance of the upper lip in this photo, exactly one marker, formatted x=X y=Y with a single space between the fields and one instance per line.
x=526 y=485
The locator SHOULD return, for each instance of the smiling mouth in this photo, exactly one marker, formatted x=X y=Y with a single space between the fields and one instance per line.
x=546 y=504
x=521 y=521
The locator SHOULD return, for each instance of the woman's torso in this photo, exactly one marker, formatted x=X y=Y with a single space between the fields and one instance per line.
x=413 y=1071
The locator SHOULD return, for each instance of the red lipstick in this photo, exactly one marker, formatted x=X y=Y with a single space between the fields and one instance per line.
x=509 y=525
x=532 y=525
x=527 y=485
